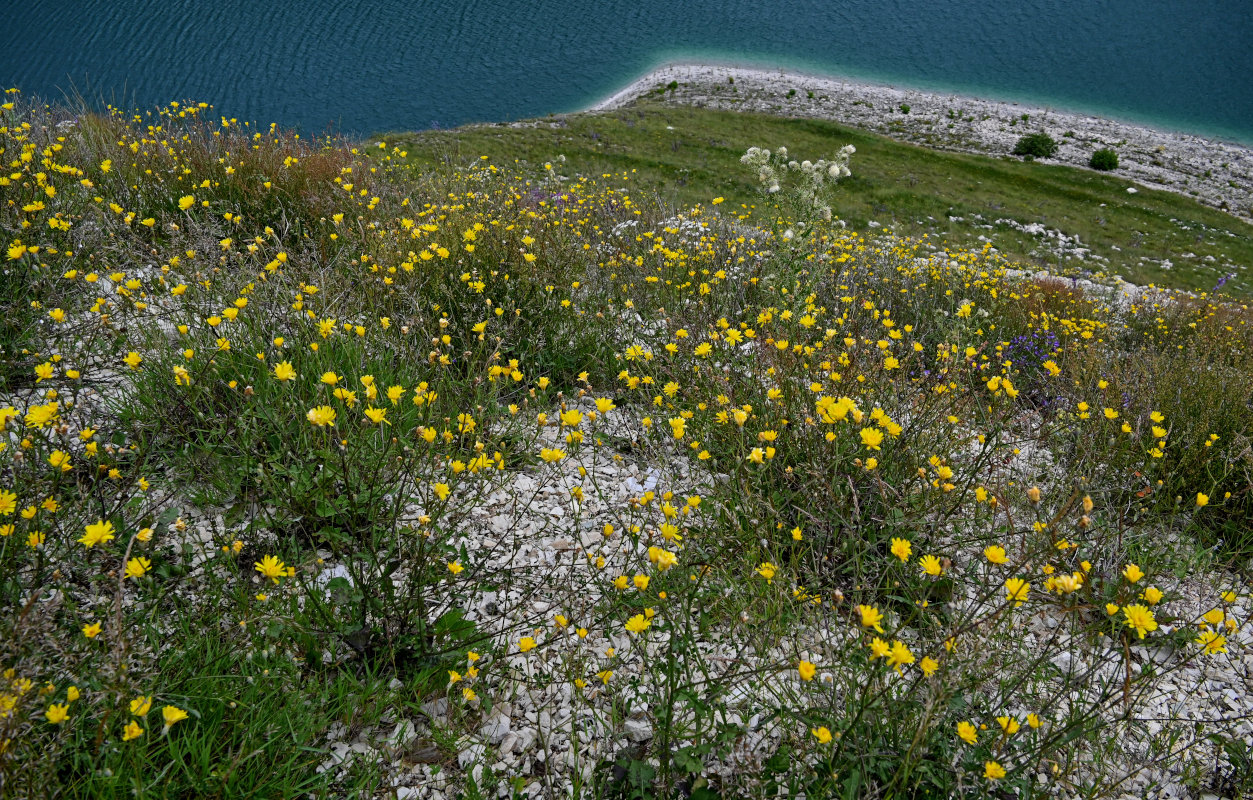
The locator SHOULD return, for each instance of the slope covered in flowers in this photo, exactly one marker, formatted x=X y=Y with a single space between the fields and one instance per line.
x=320 y=476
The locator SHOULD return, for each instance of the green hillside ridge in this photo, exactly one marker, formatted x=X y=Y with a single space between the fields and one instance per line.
x=560 y=460
x=689 y=155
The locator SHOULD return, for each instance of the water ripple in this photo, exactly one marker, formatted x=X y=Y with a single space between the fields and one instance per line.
x=392 y=64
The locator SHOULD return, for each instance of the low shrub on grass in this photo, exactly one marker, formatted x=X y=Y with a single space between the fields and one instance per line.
x=1104 y=160
x=1035 y=145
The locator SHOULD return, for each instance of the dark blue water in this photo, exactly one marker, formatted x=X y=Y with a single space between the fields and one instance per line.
x=363 y=67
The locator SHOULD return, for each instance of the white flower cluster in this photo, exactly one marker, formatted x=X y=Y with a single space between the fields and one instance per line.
x=811 y=177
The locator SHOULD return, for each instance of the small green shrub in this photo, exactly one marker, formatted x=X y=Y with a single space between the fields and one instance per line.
x=904 y=108
x=1104 y=160
x=1036 y=145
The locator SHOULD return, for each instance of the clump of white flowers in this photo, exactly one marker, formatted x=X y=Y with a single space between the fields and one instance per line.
x=806 y=180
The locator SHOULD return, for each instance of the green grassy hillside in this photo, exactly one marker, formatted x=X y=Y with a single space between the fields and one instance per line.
x=689 y=155
x=343 y=476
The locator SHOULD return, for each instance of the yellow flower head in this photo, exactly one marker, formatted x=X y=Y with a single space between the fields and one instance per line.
x=901 y=548
x=879 y=648
x=1140 y=618
x=171 y=715
x=1016 y=590
x=871 y=438
x=321 y=416
x=637 y=624
x=871 y=617
x=1212 y=643
x=98 y=533
x=271 y=567
x=968 y=733
x=899 y=655
x=136 y=567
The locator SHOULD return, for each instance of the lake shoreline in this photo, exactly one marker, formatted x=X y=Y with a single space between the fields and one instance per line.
x=1214 y=172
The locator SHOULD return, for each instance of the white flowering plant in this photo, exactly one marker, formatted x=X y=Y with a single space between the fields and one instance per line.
x=806 y=185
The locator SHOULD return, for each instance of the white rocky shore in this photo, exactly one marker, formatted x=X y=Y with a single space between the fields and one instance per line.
x=1216 y=173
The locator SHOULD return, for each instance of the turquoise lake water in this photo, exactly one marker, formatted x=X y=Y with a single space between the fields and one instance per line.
x=364 y=67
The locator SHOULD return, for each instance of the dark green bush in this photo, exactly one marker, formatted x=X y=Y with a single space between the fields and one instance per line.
x=1036 y=145
x=1104 y=160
